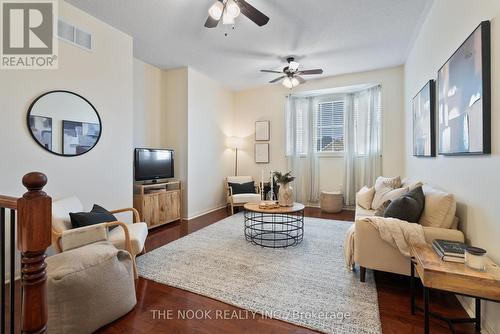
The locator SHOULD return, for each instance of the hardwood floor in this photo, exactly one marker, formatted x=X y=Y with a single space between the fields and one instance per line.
x=393 y=298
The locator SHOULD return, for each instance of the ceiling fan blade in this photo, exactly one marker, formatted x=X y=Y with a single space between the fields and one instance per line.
x=301 y=80
x=307 y=72
x=211 y=23
x=252 y=13
x=277 y=79
x=270 y=71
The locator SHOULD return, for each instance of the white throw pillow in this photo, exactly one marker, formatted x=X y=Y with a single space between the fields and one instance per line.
x=389 y=195
x=411 y=184
x=364 y=197
x=439 y=210
x=382 y=186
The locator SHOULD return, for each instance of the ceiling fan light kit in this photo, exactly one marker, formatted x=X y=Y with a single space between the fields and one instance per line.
x=290 y=82
x=229 y=10
x=291 y=77
x=216 y=10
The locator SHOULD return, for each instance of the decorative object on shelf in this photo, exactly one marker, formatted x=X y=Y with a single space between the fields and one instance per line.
x=285 y=193
x=262 y=130
x=262 y=153
x=475 y=258
x=424 y=111
x=291 y=77
x=464 y=97
x=235 y=143
x=48 y=123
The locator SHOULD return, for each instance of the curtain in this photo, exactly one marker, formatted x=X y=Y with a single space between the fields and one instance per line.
x=362 y=141
x=302 y=158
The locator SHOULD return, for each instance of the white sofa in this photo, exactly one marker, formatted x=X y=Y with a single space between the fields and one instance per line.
x=371 y=252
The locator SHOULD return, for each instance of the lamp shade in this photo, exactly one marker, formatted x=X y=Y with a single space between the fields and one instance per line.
x=216 y=10
x=290 y=82
x=234 y=142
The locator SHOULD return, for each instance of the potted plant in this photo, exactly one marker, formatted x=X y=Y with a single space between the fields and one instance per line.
x=285 y=192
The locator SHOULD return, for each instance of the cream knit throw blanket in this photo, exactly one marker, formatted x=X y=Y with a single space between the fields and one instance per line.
x=398 y=233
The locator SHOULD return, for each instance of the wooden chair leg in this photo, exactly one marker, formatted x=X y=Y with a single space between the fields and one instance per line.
x=362 y=274
x=134 y=267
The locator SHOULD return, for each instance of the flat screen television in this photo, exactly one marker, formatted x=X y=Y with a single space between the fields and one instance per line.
x=152 y=164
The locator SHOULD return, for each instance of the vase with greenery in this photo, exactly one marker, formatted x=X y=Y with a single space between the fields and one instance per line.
x=285 y=192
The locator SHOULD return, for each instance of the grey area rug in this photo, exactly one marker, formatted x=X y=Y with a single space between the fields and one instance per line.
x=307 y=285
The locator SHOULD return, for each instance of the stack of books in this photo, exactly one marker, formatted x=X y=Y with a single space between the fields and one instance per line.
x=450 y=251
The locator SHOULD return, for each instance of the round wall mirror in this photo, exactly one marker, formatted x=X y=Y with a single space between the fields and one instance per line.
x=64 y=123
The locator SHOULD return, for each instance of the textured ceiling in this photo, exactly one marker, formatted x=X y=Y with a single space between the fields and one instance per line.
x=340 y=36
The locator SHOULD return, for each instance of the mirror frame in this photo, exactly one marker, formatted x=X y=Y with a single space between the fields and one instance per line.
x=69 y=92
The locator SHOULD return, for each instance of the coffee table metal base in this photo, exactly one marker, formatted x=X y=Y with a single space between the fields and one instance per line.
x=274 y=230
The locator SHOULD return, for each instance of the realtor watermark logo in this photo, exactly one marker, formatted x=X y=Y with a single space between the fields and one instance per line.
x=28 y=34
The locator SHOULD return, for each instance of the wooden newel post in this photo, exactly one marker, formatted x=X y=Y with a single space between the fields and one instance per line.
x=34 y=237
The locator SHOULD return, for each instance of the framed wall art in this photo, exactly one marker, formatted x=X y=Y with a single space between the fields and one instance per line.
x=262 y=153
x=424 y=119
x=464 y=97
x=262 y=130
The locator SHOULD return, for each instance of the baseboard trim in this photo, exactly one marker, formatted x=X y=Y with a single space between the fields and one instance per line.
x=467 y=304
x=204 y=212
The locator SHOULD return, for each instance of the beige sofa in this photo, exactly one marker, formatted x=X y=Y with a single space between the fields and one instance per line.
x=371 y=252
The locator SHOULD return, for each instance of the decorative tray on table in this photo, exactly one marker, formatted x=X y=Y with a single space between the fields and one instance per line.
x=268 y=205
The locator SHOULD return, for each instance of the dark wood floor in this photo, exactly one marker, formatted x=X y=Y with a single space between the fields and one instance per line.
x=393 y=292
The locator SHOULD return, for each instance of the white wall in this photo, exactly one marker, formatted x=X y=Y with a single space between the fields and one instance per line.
x=104 y=77
x=448 y=24
x=149 y=106
x=210 y=119
x=174 y=124
x=268 y=103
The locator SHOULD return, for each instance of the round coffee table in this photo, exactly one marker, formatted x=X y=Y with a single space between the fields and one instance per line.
x=274 y=228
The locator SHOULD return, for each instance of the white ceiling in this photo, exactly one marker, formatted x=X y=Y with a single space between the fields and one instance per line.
x=340 y=36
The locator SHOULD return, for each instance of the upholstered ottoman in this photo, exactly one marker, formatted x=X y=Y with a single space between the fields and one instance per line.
x=331 y=201
x=89 y=287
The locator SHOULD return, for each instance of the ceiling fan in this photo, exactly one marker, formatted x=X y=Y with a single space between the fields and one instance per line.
x=292 y=77
x=228 y=10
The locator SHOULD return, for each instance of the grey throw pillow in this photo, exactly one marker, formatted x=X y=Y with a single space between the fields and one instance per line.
x=408 y=207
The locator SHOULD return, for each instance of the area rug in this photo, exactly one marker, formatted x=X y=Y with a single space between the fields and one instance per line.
x=307 y=285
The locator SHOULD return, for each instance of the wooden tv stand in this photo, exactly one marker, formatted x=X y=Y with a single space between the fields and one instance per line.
x=158 y=203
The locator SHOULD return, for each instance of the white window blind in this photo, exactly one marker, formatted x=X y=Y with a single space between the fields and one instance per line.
x=330 y=126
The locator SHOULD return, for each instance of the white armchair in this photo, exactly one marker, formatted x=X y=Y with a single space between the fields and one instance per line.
x=240 y=199
x=129 y=237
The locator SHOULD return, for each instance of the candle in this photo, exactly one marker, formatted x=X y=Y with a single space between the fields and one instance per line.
x=262 y=185
x=272 y=187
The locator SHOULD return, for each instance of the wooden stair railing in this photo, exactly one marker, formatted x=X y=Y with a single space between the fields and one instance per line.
x=33 y=239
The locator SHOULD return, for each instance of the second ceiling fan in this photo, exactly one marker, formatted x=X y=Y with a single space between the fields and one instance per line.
x=292 y=75
x=227 y=10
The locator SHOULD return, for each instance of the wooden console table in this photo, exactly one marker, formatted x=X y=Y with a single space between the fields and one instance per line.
x=158 y=203
x=455 y=278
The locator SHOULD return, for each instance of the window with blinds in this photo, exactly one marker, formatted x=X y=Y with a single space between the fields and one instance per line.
x=329 y=135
